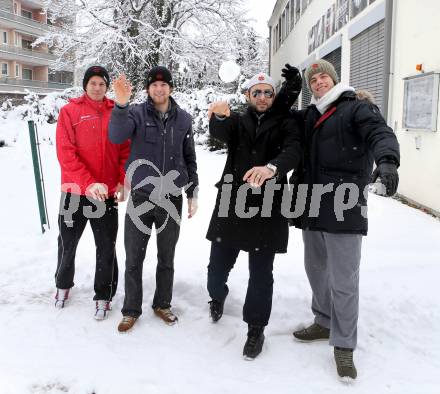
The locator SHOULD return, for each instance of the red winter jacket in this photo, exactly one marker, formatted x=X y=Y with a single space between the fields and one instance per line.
x=84 y=151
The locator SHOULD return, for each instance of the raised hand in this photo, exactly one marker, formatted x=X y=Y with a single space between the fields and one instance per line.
x=293 y=77
x=220 y=108
x=122 y=88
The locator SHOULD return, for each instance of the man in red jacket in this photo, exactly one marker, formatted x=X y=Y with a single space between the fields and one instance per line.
x=92 y=179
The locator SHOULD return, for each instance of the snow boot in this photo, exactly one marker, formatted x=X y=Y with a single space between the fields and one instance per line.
x=344 y=363
x=61 y=297
x=216 y=310
x=166 y=315
x=126 y=323
x=254 y=344
x=315 y=332
x=102 y=309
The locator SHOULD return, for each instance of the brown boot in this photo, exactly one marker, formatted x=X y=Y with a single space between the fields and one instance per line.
x=166 y=315
x=126 y=323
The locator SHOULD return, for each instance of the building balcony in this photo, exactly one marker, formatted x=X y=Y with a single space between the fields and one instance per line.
x=27 y=56
x=23 y=25
x=14 y=85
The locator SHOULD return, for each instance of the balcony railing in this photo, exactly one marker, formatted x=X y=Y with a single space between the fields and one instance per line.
x=33 y=84
x=26 y=52
x=8 y=16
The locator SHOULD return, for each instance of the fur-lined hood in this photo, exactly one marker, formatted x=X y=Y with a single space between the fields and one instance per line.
x=363 y=94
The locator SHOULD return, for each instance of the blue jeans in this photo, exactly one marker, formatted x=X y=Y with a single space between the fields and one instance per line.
x=258 y=302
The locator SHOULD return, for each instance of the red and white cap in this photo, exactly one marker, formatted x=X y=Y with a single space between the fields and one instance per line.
x=260 y=78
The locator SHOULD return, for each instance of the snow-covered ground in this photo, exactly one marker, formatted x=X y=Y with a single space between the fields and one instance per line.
x=45 y=350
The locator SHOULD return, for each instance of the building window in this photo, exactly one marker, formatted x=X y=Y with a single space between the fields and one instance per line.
x=292 y=14
x=304 y=6
x=27 y=74
x=15 y=8
x=26 y=13
x=26 y=44
x=61 y=77
x=283 y=26
x=5 y=69
x=4 y=37
x=17 y=39
x=279 y=32
x=297 y=10
x=17 y=70
x=287 y=19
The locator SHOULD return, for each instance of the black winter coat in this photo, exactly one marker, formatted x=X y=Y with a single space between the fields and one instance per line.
x=275 y=139
x=342 y=149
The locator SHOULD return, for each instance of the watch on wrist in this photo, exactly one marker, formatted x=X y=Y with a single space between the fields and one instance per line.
x=272 y=168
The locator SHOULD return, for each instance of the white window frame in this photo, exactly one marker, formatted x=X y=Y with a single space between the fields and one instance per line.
x=1 y=69
x=17 y=70
x=4 y=37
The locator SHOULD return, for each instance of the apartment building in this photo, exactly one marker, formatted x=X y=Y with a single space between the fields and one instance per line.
x=388 y=47
x=23 y=66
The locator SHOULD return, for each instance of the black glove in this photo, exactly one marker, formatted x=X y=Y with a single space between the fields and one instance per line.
x=293 y=79
x=387 y=171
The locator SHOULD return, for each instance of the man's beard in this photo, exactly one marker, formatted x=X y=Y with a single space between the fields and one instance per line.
x=255 y=108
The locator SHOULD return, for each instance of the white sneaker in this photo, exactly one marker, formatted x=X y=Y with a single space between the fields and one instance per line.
x=102 y=309
x=61 y=297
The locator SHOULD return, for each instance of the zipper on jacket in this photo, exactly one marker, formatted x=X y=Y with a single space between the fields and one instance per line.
x=258 y=124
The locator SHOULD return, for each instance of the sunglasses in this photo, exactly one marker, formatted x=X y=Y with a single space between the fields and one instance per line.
x=267 y=93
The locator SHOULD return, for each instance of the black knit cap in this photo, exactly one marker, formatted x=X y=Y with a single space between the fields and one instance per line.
x=96 y=70
x=160 y=73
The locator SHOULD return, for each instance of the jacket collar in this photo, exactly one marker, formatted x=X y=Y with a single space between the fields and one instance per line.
x=251 y=118
x=172 y=110
x=331 y=97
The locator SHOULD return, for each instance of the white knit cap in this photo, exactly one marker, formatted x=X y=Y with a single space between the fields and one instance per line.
x=260 y=78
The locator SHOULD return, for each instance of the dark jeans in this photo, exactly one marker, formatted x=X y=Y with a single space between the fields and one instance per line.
x=105 y=229
x=136 y=241
x=258 y=303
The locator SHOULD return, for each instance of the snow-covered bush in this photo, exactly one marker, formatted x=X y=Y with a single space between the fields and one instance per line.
x=197 y=103
x=46 y=110
x=41 y=110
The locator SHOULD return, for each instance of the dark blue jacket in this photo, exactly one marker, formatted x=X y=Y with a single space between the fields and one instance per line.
x=168 y=148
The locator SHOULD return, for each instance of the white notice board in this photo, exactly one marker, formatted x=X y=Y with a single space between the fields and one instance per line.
x=420 y=102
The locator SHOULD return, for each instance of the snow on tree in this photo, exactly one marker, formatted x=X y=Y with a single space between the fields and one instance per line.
x=190 y=37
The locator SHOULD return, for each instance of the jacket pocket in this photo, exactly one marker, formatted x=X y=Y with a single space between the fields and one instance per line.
x=151 y=133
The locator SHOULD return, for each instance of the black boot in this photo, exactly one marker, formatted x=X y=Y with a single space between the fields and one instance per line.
x=216 y=309
x=254 y=344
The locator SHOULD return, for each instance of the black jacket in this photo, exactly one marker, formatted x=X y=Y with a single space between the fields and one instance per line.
x=274 y=139
x=342 y=149
x=168 y=148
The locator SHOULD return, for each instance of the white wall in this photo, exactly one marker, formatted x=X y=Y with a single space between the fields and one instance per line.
x=295 y=47
x=415 y=34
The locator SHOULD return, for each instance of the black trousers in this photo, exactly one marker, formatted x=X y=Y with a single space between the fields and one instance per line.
x=72 y=220
x=258 y=302
x=138 y=229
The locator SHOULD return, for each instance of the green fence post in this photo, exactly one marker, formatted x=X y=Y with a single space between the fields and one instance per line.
x=38 y=173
